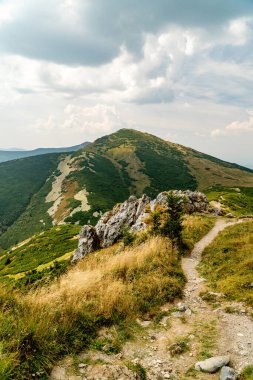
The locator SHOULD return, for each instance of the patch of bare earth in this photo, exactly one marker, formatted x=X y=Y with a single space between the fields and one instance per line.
x=63 y=190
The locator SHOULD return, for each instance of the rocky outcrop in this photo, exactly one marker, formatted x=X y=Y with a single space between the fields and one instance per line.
x=88 y=242
x=126 y=214
x=132 y=214
x=192 y=201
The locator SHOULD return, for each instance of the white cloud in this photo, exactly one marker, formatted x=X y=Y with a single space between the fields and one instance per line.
x=87 y=121
x=236 y=127
x=88 y=74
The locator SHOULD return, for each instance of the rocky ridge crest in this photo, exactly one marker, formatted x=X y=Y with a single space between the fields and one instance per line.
x=132 y=214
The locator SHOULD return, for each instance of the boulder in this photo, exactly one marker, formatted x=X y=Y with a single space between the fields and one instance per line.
x=213 y=364
x=88 y=242
x=227 y=373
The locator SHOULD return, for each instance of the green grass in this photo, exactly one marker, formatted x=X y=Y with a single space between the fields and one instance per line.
x=164 y=164
x=19 y=181
x=237 y=202
x=195 y=227
x=228 y=262
x=247 y=373
x=105 y=187
x=41 y=249
x=30 y=221
x=181 y=346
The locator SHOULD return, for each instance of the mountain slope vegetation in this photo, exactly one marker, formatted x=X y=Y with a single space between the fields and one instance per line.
x=77 y=187
x=19 y=181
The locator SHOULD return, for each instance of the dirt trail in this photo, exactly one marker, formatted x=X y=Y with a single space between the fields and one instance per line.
x=189 y=264
x=206 y=330
x=236 y=330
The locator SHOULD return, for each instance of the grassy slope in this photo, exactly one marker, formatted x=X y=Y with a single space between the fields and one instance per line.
x=22 y=189
x=33 y=220
x=115 y=166
x=239 y=201
x=19 y=181
x=103 y=289
x=195 y=228
x=162 y=163
x=210 y=171
x=145 y=163
x=128 y=162
x=103 y=181
x=40 y=250
x=228 y=262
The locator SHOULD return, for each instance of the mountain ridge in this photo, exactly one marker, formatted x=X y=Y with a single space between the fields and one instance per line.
x=80 y=186
x=11 y=154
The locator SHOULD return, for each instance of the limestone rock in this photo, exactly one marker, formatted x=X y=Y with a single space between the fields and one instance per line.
x=132 y=214
x=192 y=201
x=110 y=226
x=213 y=364
x=88 y=242
x=227 y=373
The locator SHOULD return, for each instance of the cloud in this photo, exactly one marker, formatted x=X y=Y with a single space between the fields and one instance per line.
x=236 y=127
x=83 y=32
x=88 y=121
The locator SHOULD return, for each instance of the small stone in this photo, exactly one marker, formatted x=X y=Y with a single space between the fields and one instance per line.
x=213 y=364
x=164 y=321
x=182 y=306
x=176 y=314
x=145 y=323
x=227 y=373
x=82 y=365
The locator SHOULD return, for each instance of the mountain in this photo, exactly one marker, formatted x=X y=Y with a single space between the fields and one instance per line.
x=11 y=154
x=39 y=191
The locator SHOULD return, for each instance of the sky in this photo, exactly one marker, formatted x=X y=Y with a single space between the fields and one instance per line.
x=74 y=70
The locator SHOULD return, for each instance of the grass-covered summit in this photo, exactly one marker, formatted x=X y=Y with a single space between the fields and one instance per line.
x=77 y=187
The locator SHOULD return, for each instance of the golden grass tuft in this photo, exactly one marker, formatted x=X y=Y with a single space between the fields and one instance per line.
x=114 y=283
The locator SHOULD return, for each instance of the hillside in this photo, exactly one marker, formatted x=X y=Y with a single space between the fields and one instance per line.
x=90 y=181
x=8 y=155
x=45 y=255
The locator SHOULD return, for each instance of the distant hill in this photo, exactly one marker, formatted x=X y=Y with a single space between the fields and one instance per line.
x=8 y=155
x=39 y=191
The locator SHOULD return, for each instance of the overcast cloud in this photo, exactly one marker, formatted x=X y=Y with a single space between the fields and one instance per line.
x=74 y=70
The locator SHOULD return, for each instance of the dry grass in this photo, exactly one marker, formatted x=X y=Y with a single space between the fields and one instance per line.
x=103 y=289
x=113 y=283
x=140 y=181
x=209 y=173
